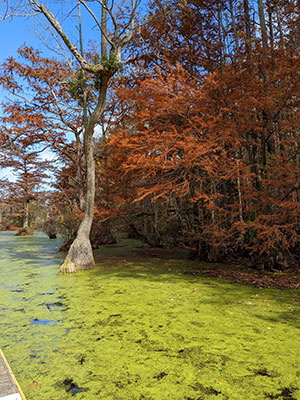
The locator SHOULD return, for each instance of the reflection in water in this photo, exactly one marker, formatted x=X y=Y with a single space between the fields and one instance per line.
x=50 y=322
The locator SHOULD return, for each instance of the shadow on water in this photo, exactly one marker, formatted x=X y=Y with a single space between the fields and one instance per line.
x=28 y=249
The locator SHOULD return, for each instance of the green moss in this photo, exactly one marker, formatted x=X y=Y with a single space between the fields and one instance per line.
x=141 y=329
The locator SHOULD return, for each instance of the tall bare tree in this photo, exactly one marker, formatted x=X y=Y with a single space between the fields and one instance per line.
x=115 y=23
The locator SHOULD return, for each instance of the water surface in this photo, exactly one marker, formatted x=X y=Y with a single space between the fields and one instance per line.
x=137 y=328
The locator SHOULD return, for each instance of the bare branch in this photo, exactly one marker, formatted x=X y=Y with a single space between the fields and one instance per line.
x=60 y=50
x=129 y=27
x=10 y=9
x=72 y=47
x=109 y=10
x=60 y=112
x=130 y=24
x=97 y=21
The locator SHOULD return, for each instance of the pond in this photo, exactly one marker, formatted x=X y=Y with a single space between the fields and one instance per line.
x=141 y=328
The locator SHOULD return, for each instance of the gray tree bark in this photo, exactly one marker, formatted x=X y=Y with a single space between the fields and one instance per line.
x=26 y=215
x=80 y=255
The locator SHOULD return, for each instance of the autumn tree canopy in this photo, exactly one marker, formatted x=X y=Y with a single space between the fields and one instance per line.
x=201 y=148
x=210 y=144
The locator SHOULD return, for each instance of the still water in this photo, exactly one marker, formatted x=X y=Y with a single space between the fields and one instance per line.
x=46 y=320
x=91 y=335
x=136 y=328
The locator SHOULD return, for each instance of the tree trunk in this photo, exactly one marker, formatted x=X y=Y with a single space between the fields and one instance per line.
x=104 y=31
x=262 y=22
x=26 y=215
x=279 y=23
x=239 y=190
x=222 y=40
x=270 y=24
x=235 y=31
x=80 y=255
x=247 y=27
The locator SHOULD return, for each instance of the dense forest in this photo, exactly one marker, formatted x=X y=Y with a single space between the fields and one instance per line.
x=180 y=127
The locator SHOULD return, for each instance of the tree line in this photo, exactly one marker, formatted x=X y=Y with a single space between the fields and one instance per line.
x=199 y=143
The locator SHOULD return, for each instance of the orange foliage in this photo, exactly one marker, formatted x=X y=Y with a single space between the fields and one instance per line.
x=226 y=149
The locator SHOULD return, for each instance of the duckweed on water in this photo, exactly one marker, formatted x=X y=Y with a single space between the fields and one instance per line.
x=136 y=329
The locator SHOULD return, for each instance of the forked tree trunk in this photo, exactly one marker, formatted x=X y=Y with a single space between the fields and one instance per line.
x=80 y=255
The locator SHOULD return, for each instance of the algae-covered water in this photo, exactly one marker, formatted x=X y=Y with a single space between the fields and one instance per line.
x=141 y=328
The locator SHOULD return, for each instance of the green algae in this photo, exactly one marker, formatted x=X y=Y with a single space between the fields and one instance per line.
x=138 y=328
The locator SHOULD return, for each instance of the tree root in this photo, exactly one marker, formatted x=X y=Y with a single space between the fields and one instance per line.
x=79 y=257
x=68 y=267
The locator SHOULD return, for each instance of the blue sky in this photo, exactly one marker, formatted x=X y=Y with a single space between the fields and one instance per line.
x=13 y=34
x=19 y=31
